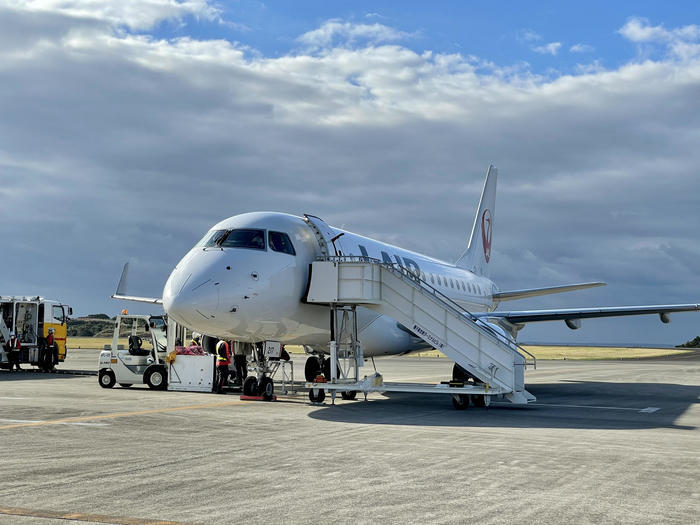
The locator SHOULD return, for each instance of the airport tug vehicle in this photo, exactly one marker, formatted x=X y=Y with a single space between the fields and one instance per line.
x=40 y=325
x=137 y=354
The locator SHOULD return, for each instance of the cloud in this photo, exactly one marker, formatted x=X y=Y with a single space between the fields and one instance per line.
x=528 y=35
x=640 y=30
x=683 y=41
x=135 y=14
x=118 y=146
x=340 y=33
x=548 y=49
x=581 y=48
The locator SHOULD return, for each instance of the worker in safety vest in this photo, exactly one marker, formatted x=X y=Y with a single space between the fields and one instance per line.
x=223 y=359
x=196 y=339
x=12 y=347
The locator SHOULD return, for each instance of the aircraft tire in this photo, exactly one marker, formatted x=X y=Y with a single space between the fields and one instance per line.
x=317 y=397
x=155 y=378
x=250 y=386
x=460 y=401
x=106 y=378
x=326 y=366
x=349 y=395
x=312 y=368
x=266 y=387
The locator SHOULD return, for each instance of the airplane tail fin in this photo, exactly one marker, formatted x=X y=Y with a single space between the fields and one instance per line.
x=477 y=256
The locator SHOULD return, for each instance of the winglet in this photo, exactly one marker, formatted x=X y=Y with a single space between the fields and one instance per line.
x=122 y=294
x=123 y=281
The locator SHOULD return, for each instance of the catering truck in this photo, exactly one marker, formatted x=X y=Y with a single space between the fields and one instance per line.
x=40 y=326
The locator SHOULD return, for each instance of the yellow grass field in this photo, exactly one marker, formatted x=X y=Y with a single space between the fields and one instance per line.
x=540 y=352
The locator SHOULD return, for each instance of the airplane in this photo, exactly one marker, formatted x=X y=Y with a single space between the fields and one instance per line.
x=247 y=278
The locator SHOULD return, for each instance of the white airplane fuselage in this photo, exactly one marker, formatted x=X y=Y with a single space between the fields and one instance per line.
x=256 y=294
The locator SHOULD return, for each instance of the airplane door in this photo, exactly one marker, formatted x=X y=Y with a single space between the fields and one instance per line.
x=328 y=240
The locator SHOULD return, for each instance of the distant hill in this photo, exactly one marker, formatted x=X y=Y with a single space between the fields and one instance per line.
x=93 y=325
x=693 y=343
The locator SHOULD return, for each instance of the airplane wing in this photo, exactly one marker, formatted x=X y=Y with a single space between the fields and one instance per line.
x=571 y=315
x=121 y=290
x=512 y=295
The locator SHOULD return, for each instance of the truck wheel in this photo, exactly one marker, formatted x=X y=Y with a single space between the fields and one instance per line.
x=250 y=386
x=155 y=378
x=106 y=379
x=479 y=400
x=318 y=396
x=266 y=387
x=349 y=395
x=460 y=401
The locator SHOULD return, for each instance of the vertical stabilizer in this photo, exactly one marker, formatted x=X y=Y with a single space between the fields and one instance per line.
x=477 y=256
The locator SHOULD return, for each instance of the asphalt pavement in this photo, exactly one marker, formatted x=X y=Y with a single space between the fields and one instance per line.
x=606 y=442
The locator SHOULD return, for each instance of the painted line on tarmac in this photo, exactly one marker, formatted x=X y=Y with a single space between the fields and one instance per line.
x=647 y=410
x=79 y=516
x=115 y=415
x=44 y=421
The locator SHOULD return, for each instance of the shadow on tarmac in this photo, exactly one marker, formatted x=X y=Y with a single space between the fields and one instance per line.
x=586 y=404
x=29 y=374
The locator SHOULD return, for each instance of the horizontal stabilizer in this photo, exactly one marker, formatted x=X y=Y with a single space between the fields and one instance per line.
x=534 y=292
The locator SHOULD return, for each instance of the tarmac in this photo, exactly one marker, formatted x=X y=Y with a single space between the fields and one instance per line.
x=606 y=442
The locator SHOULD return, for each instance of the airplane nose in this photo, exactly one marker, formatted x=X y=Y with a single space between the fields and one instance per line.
x=192 y=294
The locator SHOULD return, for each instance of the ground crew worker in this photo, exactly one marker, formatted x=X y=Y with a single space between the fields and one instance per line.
x=223 y=359
x=51 y=352
x=196 y=339
x=240 y=362
x=13 y=347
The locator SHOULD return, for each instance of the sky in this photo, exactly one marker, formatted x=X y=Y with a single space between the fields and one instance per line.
x=128 y=128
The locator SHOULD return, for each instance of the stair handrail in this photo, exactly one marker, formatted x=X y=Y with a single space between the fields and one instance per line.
x=402 y=272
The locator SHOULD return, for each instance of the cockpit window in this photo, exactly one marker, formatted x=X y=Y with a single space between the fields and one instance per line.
x=253 y=239
x=212 y=238
x=280 y=242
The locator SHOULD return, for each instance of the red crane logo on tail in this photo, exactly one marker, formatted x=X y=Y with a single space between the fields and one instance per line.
x=486 y=231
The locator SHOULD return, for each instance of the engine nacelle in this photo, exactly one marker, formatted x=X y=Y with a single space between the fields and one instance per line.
x=574 y=324
x=500 y=332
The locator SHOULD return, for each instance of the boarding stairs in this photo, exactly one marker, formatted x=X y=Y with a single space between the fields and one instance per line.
x=398 y=292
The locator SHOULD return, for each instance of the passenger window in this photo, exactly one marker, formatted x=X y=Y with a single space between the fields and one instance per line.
x=452 y=283
x=432 y=278
x=252 y=239
x=280 y=242
x=58 y=315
